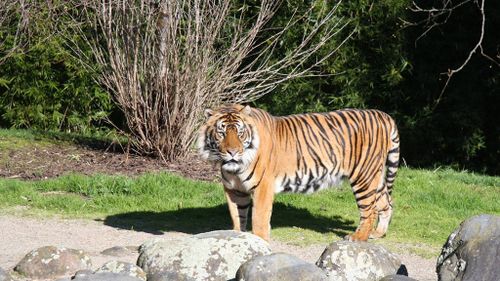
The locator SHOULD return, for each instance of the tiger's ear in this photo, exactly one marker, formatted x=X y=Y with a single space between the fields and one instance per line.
x=246 y=110
x=208 y=113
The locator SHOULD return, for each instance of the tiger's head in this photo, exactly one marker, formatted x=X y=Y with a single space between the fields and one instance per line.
x=229 y=137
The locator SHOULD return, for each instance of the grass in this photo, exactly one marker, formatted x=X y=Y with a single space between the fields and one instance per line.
x=428 y=204
x=11 y=139
x=151 y=202
x=18 y=139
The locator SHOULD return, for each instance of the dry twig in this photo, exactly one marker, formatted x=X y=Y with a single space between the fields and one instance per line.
x=440 y=16
x=166 y=61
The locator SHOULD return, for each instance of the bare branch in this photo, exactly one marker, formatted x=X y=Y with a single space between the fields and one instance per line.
x=12 y=13
x=18 y=24
x=475 y=49
x=439 y=16
x=165 y=61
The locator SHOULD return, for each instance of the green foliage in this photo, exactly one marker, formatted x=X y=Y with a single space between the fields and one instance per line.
x=368 y=68
x=383 y=66
x=43 y=87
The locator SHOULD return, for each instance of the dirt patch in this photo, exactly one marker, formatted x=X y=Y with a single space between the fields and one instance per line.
x=53 y=160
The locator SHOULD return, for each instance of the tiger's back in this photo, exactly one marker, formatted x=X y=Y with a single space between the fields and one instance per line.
x=308 y=152
x=313 y=151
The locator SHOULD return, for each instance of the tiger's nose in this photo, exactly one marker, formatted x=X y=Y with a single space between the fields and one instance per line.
x=232 y=151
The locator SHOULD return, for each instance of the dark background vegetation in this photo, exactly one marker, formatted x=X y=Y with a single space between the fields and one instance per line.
x=382 y=66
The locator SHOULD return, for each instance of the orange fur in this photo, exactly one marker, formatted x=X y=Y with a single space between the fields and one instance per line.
x=261 y=155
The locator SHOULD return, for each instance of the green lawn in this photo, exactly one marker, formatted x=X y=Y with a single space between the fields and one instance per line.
x=428 y=205
x=11 y=139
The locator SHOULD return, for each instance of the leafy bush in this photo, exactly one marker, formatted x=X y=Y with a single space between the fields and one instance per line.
x=45 y=89
x=383 y=66
x=42 y=86
x=365 y=72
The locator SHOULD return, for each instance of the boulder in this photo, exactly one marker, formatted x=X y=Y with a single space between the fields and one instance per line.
x=4 y=276
x=105 y=276
x=277 y=267
x=104 y=273
x=215 y=255
x=472 y=251
x=123 y=268
x=80 y=274
x=397 y=277
x=345 y=260
x=170 y=276
x=133 y=249
x=52 y=262
x=83 y=273
x=117 y=251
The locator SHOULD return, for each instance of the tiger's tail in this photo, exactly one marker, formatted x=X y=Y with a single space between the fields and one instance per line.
x=392 y=162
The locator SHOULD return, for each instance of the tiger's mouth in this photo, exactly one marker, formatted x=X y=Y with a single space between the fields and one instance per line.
x=231 y=166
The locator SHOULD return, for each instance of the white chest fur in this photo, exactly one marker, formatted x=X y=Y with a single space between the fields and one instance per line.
x=235 y=182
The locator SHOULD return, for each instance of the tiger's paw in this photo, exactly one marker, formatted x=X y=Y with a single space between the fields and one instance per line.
x=374 y=234
x=356 y=236
x=264 y=236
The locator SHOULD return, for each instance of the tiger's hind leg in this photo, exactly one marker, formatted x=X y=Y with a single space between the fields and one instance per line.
x=384 y=210
x=365 y=188
x=384 y=199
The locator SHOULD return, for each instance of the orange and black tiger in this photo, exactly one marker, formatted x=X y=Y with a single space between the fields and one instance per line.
x=260 y=155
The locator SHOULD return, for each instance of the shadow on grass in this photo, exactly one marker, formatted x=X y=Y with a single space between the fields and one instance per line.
x=98 y=141
x=198 y=220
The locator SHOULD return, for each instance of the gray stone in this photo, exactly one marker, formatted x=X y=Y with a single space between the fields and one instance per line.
x=169 y=276
x=397 y=277
x=52 y=262
x=116 y=251
x=133 y=249
x=215 y=255
x=277 y=267
x=105 y=276
x=472 y=251
x=344 y=260
x=4 y=276
x=83 y=273
x=79 y=274
x=124 y=268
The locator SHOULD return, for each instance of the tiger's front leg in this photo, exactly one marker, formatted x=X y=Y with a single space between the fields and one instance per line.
x=262 y=210
x=238 y=203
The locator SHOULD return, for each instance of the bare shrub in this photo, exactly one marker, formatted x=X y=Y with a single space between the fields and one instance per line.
x=438 y=15
x=166 y=61
x=14 y=22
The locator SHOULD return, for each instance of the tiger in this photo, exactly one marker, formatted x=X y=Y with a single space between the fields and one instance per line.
x=261 y=155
